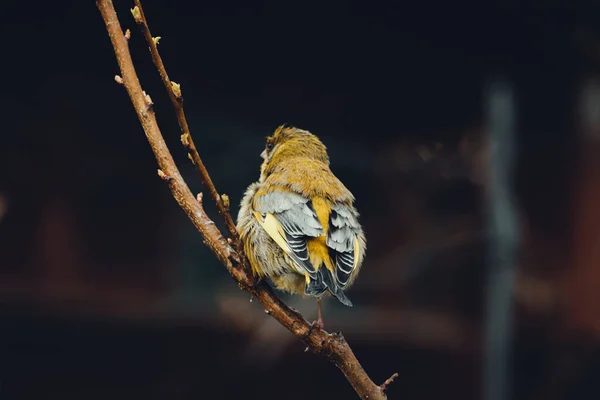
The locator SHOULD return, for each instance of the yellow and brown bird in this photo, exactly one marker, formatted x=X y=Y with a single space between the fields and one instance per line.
x=298 y=222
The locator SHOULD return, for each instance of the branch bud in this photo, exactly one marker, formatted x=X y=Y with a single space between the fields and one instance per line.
x=225 y=200
x=137 y=15
x=163 y=176
x=176 y=87
x=185 y=139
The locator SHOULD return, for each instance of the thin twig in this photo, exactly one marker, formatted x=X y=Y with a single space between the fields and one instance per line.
x=332 y=346
x=388 y=381
x=174 y=91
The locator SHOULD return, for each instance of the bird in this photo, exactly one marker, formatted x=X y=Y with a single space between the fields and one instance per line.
x=298 y=223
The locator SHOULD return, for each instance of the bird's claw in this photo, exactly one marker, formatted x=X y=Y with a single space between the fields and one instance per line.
x=317 y=324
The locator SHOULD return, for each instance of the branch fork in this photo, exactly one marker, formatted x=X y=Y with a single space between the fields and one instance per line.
x=229 y=251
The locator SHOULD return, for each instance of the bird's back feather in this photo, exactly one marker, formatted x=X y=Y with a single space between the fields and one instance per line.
x=309 y=216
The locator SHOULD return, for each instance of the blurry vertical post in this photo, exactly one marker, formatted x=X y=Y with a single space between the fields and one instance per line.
x=503 y=238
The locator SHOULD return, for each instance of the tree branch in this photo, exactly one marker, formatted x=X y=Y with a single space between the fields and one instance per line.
x=332 y=346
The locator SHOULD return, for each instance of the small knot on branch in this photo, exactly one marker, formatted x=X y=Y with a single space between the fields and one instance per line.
x=118 y=79
x=148 y=99
x=137 y=15
x=326 y=347
x=199 y=197
x=156 y=39
x=127 y=35
x=389 y=380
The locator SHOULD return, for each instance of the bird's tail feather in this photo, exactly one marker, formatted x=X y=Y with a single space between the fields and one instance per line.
x=323 y=282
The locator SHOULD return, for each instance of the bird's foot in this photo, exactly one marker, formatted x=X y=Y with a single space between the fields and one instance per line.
x=255 y=284
x=319 y=324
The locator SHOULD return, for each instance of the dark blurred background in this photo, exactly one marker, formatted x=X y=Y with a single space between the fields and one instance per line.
x=106 y=290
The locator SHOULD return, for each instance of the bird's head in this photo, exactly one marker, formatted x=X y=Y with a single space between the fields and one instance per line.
x=290 y=142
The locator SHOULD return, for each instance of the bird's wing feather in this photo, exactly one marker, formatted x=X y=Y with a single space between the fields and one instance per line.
x=343 y=239
x=290 y=221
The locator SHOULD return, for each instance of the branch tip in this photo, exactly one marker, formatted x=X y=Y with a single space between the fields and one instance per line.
x=388 y=381
x=137 y=15
x=118 y=79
